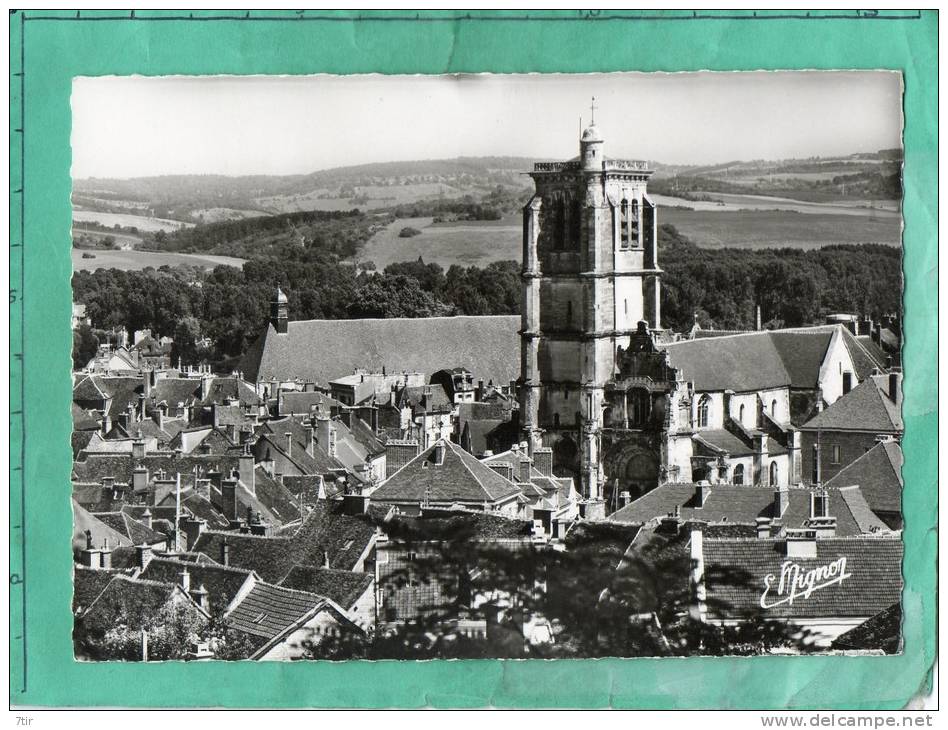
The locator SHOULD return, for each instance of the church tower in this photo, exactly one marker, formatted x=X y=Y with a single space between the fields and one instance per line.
x=590 y=275
x=279 y=311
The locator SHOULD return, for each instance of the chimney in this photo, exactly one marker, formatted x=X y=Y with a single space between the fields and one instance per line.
x=288 y=442
x=89 y=556
x=225 y=553
x=205 y=385
x=524 y=469
x=624 y=498
x=355 y=504
x=199 y=596
x=108 y=483
x=105 y=555
x=894 y=387
x=138 y=447
x=781 y=501
x=185 y=579
x=192 y=529
x=245 y=467
x=323 y=427
x=144 y=554
x=763 y=527
x=310 y=440
x=543 y=461
x=146 y=517
x=229 y=500
x=139 y=479
x=215 y=416
x=699 y=609
x=215 y=478
x=801 y=543
x=702 y=492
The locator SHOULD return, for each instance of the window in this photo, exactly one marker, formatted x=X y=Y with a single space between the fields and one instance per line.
x=847 y=382
x=624 y=224
x=569 y=314
x=740 y=414
x=773 y=473
x=815 y=476
x=836 y=454
x=738 y=477
x=773 y=409
x=639 y=403
x=819 y=504
x=703 y=406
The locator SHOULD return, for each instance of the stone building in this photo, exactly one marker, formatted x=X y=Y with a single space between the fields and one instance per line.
x=590 y=274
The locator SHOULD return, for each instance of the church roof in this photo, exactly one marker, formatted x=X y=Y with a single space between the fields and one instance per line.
x=321 y=350
x=867 y=407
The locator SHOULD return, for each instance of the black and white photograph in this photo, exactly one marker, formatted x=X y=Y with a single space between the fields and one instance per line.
x=486 y=366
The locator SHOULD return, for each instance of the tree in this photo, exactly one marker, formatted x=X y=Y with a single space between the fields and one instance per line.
x=85 y=345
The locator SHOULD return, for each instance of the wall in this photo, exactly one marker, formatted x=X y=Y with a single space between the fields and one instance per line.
x=852 y=445
x=836 y=362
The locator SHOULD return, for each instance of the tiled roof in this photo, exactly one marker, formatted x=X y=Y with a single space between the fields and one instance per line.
x=736 y=570
x=341 y=586
x=321 y=350
x=137 y=532
x=87 y=584
x=122 y=466
x=425 y=398
x=867 y=407
x=606 y=539
x=342 y=538
x=459 y=525
x=744 y=504
x=83 y=521
x=878 y=474
x=303 y=403
x=755 y=360
x=269 y=557
x=460 y=478
x=221 y=583
x=882 y=631
x=175 y=390
x=134 y=603
x=721 y=440
x=268 y=610
x=83 y=420
x=220 y=389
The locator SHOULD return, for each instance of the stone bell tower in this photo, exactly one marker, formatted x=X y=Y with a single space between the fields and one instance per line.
x=590 y=275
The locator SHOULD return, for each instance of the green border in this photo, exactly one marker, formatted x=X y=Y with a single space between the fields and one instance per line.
x=60 y=45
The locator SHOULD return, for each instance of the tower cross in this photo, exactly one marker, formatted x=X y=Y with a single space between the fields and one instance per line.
x=592 y=111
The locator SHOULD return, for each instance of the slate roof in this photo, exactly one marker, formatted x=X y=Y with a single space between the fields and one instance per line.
x=269 y=611
x=764 y=359
x=221 y=583
x=83 y=420
x=269 y=557
x=460 y=478
x=340 y=586
x=123 y=391
x=867 y=407
x=721 y=440
x=82 y=521
x=342 y=538
x=321 y=350
x=122 y=466
x=459 y=525
x=735 y=572
x=744 y=504
x=425 y=398
x=878 y=474
x=882 y=631
x=222 y=388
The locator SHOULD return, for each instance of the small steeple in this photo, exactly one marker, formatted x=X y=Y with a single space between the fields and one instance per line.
x=590 y=143
x=279 y=311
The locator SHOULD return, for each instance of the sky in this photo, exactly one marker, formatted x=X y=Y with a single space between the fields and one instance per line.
x=138 y=126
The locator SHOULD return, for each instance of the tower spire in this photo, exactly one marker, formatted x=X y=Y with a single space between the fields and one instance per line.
x=592 y=111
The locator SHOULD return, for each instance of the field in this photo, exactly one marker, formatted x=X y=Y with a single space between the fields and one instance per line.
x=471 y=243
x=720 y=202
x=137 y=260
x=216 y=215
x=122 y=239
x=379 y=196
x=774 y=229
x=142 y=223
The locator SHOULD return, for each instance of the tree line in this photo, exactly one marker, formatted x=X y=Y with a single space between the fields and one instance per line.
x=228 y=307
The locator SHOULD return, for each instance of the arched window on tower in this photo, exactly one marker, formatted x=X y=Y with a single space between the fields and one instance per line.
x=738 y=475
x=634 y=224
x=773 y=473
x=559 y=225
x=704 y=405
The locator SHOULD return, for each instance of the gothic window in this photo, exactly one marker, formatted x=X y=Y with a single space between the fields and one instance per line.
x=638 y=407
x=634 y=224
x=773 y=409
x=740 y=414
x=773 y=473
x=703 y=406
x=738 y=477
x=624 y=224
x=559 y=226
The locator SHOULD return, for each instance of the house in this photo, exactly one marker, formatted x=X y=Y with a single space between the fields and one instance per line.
x=445 y=475
x=79 y=316
x=285 y=624
x=767 y=512
x=458 y=383
x=319 y=351
x=878 y=474
x=221 y=584
x=353 y=592
x=546 y=498
x=487 y=427
x=305 y=403
x=825 y=586
x=423 y=413
x=363 y=386
x=419 y=581
x=851 y=426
